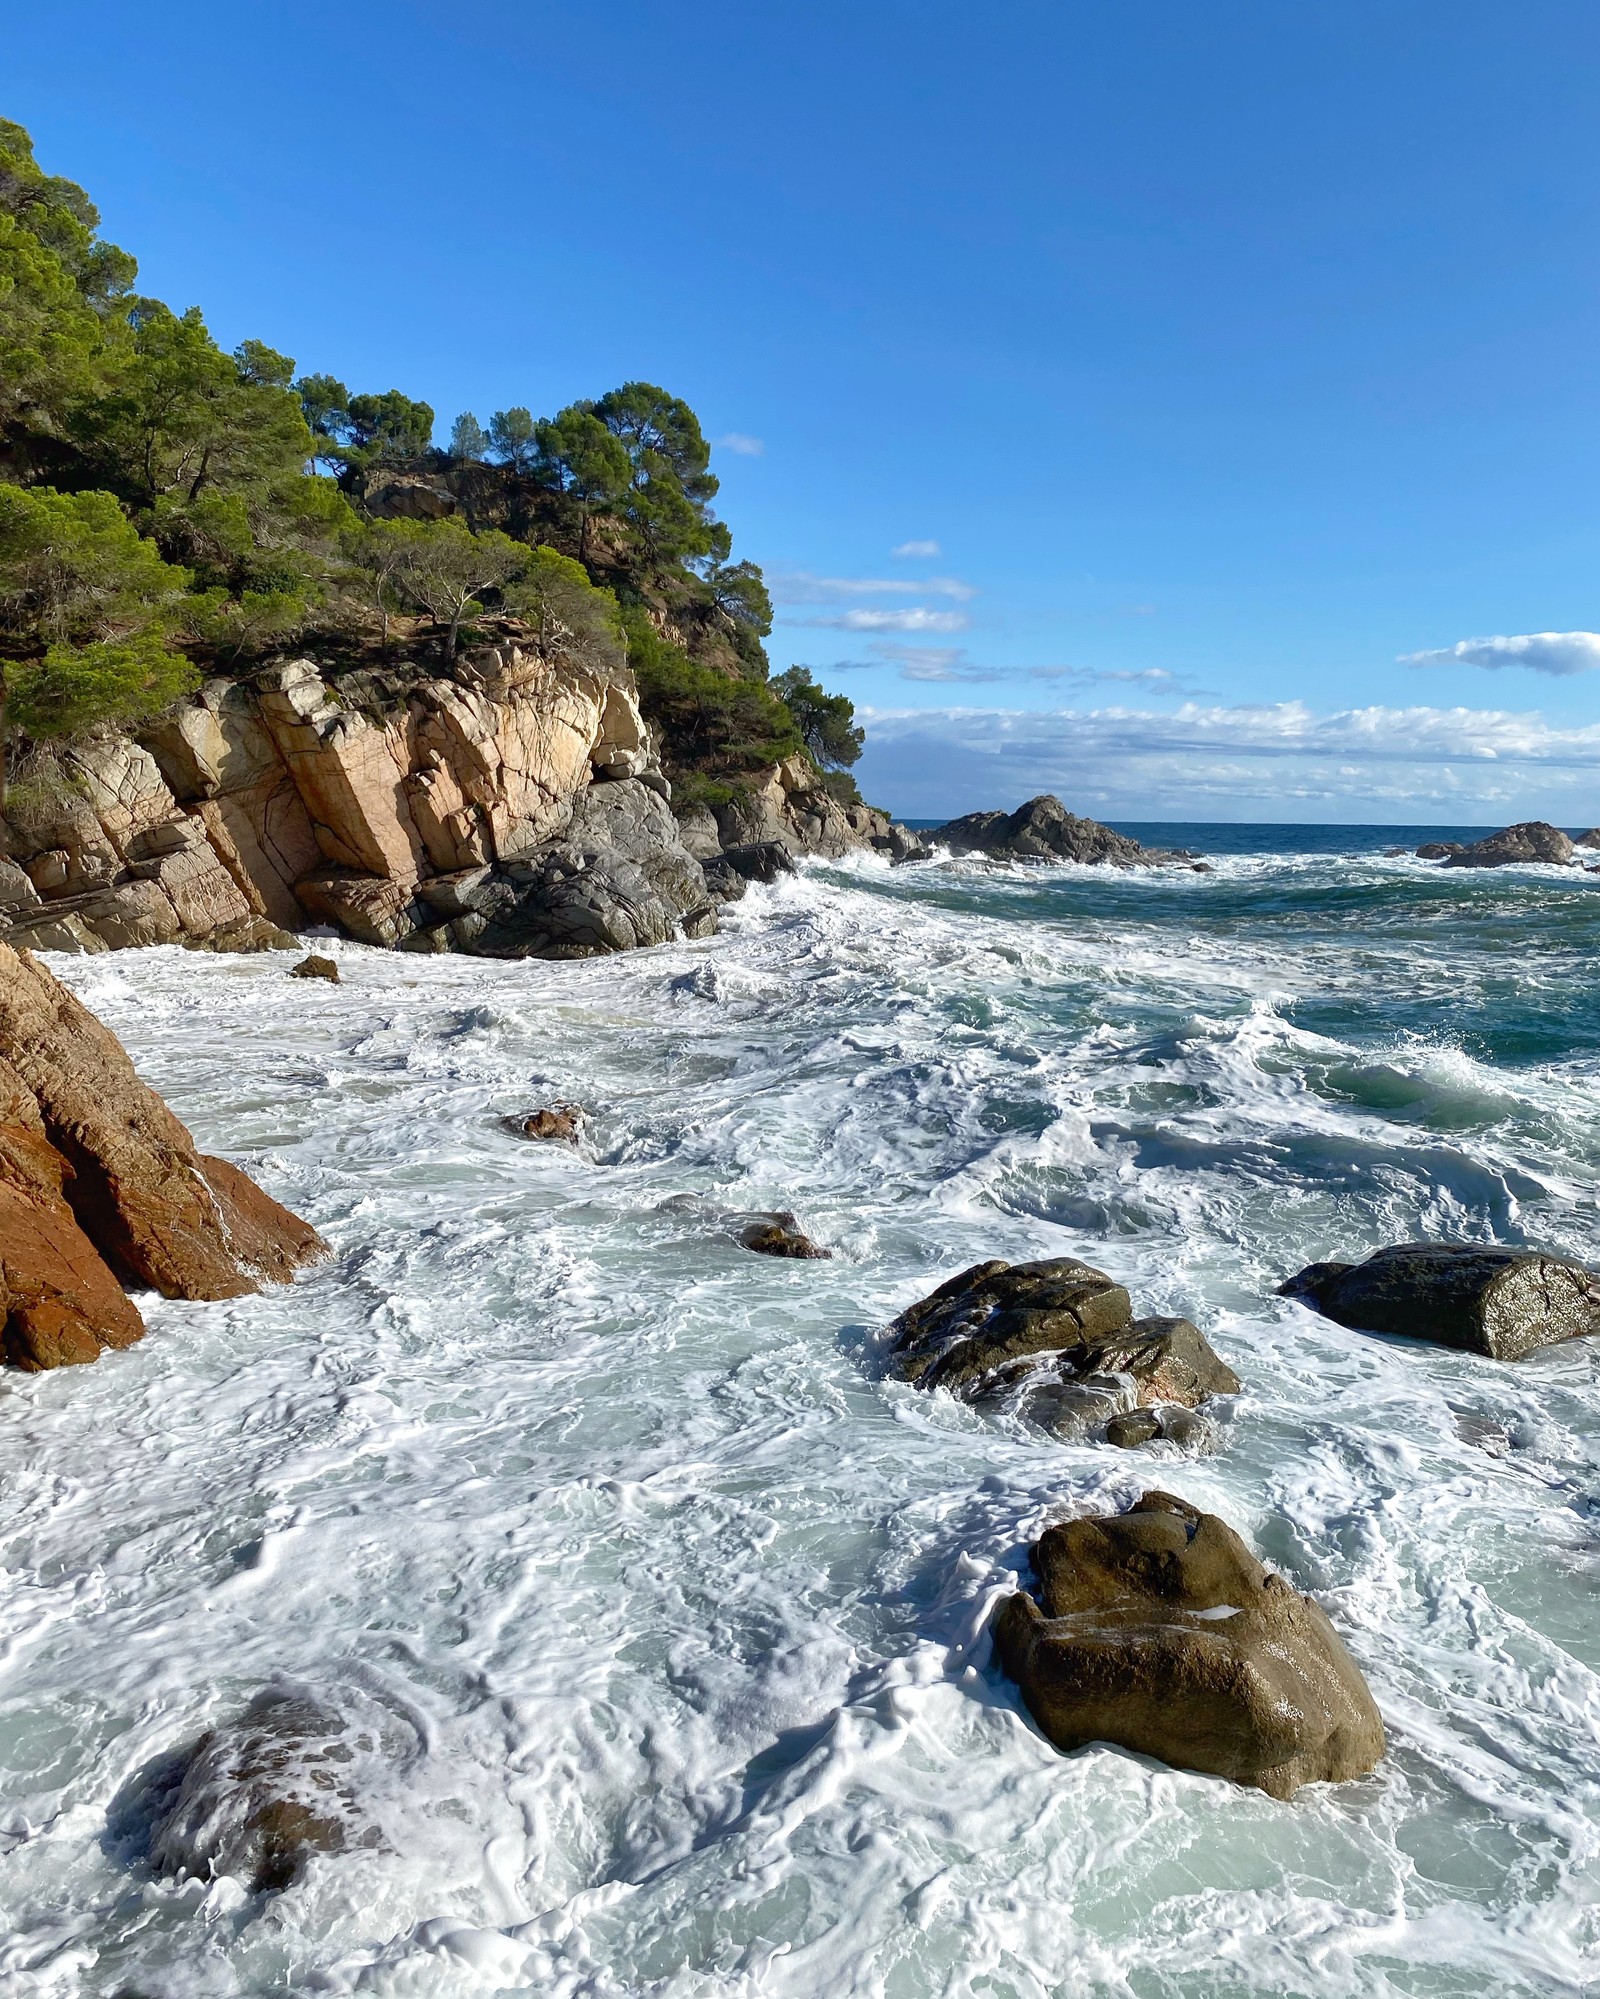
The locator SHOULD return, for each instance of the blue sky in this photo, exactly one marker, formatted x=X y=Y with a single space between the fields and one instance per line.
x=1149 y=402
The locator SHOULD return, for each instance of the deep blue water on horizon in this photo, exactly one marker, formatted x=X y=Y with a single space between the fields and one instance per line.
x=1276 y=837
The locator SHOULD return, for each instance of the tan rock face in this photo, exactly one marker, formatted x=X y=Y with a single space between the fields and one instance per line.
x=99 y=1182
x=1158 y=1630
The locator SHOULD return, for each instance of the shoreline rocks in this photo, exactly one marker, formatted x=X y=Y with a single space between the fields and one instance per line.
x=101 y=1186
x=1501 y=1303
x=510 y=805
x=1157 y=1630
x=1056 y=1343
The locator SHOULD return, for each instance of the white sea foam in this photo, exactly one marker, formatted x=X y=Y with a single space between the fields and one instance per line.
x=677 y=1611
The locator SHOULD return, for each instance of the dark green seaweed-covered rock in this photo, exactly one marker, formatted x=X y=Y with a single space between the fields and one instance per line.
x=1502 y=1303
x=1056 y=1341
x=1157 y=1630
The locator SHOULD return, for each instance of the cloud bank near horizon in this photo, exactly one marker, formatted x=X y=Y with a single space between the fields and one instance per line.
x=1280 y=760
x=1558 y=653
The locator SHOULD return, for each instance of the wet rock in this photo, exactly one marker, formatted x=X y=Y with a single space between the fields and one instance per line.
x=1438 y=850
x=1161 y=1425
x=1044 y=830
x=724 y=882
x=313 y=967
x=1589 y=839
x=100 y=1185
x=254 y=934
x=901 y=845
x=1393 y=853
x=1054 y=1342
x=618 y=879
x=1531 y=840
x=562 y=1123
x=1133 y=1428
x=759 y=860
x=780 y=1234
x=1501 y=1303
x=1156 y=1629
x=259 y=1798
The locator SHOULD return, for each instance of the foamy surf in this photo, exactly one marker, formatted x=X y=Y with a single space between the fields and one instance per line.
x=663 y=1615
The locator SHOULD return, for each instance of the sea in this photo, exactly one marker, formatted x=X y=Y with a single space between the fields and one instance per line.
x=657 y=1618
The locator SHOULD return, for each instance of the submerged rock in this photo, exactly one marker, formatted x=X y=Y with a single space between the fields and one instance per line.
x=1531 y=840
x=259 y=1797
x=1055 y=1342
x=562 y=1123
x=1502 y=1303
x=1157 y=1630
x=780 y=1234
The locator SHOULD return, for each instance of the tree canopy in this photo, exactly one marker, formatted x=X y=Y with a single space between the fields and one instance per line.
x=168 y=498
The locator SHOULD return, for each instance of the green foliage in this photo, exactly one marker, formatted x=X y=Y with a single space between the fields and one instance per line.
x=111 y=680
x=670 y=487
x=360 y=432
x=576 y=454
x=183 y=417
x=60 y=292
x=72 y=566
x=437 y=567
x=387 y=429
x=827 y=722
x=199 y=507
x=511 y=438
x=468 y=439
x=705 y=719
x=247 y=625
x=572 y=616
x=61 y=217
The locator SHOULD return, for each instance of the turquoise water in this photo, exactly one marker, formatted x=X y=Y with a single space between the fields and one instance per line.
x=667 y=1612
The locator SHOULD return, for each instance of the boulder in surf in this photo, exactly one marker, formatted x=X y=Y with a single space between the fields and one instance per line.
x=1056 y=1342
x=1531 y=840
x=1502 y=1303
x=257 y=1798
x=1158 y=1631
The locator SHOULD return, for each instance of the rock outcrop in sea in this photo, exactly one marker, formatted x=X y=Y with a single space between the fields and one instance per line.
x=1501 y=1303
x=100 y=1185
x=1044 y=830
x=1057 y=1344
x=1158 y=1630
x=510 y=805
x=1512 y=846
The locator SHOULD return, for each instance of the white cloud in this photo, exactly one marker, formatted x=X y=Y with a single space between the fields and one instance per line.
x=914 y=618
x=1459 y=766
x=915 y=550
x=801 y=587
x=1558 y=653
x=741 y=445
x=955 y=664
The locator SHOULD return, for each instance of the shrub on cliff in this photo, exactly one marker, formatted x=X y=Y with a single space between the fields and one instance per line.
x=706 y=722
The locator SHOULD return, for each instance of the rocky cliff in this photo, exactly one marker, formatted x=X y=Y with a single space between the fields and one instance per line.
x=100 y=1186
x=511 y=805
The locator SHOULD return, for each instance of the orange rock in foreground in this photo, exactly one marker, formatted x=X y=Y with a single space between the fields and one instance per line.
x=100 y=1185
